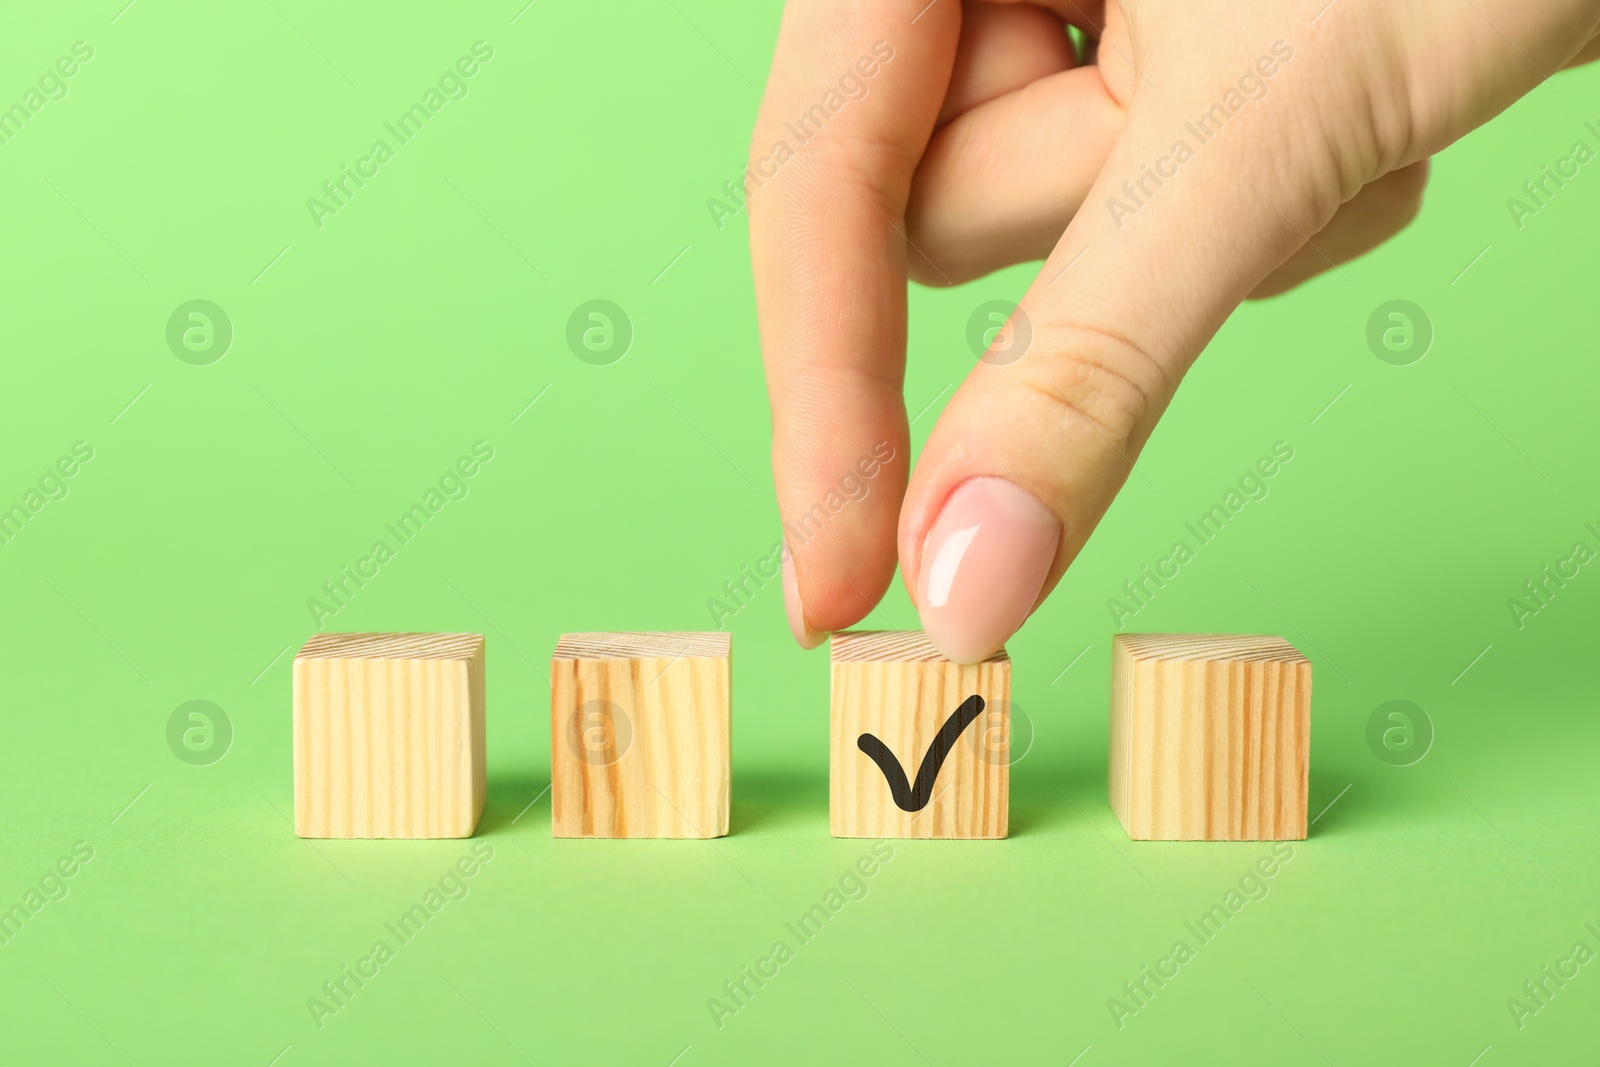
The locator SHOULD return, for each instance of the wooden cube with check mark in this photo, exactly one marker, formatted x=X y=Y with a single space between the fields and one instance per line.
x=920 y=745
x=639 y=735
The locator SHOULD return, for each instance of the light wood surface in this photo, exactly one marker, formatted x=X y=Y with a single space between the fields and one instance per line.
x=1210 y=737
x=896 y=687
x=639 y=735
x=389 y=735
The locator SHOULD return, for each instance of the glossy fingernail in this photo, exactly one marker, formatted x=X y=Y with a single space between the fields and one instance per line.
x=983 y=563
x=803 y=635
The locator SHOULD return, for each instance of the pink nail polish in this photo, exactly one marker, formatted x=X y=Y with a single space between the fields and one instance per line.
x=803 y=636
x=983 y=563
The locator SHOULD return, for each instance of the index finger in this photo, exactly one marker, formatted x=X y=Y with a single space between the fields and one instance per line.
x=852 y=99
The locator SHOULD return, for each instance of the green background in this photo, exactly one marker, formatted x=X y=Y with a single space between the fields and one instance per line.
x=431 y=310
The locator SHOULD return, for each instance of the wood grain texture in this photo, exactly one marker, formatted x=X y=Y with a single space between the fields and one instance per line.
x=639 y=735
x=897 y=687
x=389 y=735
x=1210 y=737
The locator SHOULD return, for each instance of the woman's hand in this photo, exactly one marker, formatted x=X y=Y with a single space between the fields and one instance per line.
x=1208 y=152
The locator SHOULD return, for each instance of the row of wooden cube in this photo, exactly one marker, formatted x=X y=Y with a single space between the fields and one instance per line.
x=1210 y=737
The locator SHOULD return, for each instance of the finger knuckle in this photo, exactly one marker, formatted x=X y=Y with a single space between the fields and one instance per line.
x=1101 y=382
x=827 y=172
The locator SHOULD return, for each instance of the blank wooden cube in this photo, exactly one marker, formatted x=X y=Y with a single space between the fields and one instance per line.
x=942 y=730
x=639 y=728
x=389 y=735
x=1210 y=737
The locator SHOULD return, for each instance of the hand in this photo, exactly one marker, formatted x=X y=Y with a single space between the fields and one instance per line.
x=1210 y=152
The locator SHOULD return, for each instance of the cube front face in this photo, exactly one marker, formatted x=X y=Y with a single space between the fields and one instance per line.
x=915 y=706
x=389 y=736
x=639 y=735
x=1210 y=737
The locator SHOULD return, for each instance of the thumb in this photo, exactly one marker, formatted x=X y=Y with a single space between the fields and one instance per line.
x=1040 y=437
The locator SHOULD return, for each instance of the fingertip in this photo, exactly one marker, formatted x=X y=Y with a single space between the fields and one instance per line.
x=804 y=636
x=983 y=565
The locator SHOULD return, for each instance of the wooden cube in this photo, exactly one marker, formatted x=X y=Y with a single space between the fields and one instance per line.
x=1210 y=737
x=388 y=735
x=639 y=727
x=920 y=744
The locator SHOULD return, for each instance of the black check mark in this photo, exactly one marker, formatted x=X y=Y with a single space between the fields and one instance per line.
x=909 y=797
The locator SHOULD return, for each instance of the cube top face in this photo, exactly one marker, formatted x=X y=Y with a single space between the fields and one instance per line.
x=639 y=735
x=1210 y=737
x=919 y=745
x=644 y=645
x=1213 y=648
x=897 y=646
x=392 y=646
x=389 y=735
